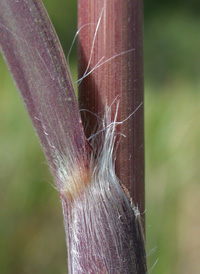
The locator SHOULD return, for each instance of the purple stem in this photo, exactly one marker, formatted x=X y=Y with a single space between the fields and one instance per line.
x=118 y=45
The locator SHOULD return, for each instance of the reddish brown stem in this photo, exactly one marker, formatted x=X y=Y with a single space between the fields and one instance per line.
x=119 y=36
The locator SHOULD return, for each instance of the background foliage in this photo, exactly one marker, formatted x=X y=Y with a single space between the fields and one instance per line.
x=31 y=226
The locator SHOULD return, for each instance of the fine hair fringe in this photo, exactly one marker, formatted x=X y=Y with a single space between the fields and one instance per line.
x=104 y=233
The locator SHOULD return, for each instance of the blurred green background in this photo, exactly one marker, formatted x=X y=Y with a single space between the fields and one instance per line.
x=32 y=238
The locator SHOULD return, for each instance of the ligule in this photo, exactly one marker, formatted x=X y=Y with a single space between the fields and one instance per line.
x=104 y=232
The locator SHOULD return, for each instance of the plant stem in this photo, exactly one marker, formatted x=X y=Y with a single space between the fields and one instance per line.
x=103 y=230
x=119 y=36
